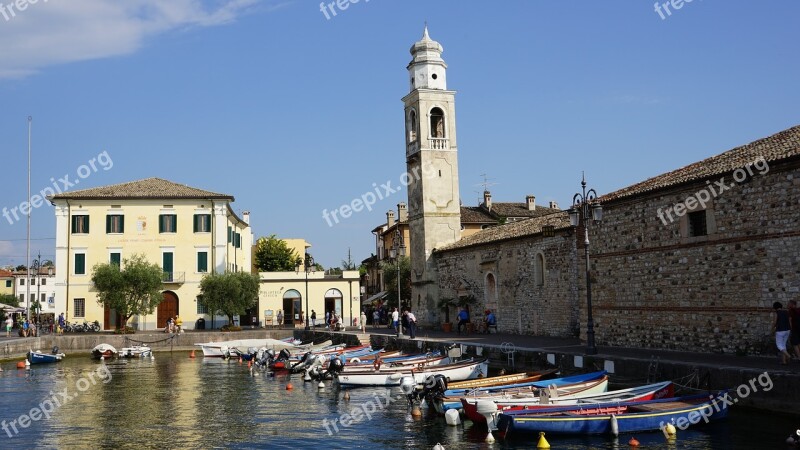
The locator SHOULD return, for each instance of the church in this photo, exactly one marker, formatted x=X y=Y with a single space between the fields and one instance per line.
x=688 y=260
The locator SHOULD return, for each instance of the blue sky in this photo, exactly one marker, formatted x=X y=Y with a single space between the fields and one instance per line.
x=293 y=113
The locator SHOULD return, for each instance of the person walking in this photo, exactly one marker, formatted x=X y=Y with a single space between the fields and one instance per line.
x=62 y=323
x=782 y=328
x=396 y=322
x=313 y=318
x=9 y=325
x=412 y=324
x=363 y=319
x=376 y=318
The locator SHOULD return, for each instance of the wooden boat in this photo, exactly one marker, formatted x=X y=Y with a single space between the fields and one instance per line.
x=650 y=415
x=218 y=349
x=463 y=370
x=418 y=363
x=502 y=380
x=587 y=397
x=558 y=382
x=38 y=357
x=104 y=351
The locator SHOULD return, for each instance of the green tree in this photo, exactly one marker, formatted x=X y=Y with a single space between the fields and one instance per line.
x=231 y=293
x=9 y=299
x=273 y=255
x=20 y=268
x=131 y=290
x=390 y=277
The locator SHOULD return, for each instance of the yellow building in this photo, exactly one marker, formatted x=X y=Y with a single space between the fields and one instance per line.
x=189 y=232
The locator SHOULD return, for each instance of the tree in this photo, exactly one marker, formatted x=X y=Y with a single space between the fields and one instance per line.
x=390 y=277
x=348 y=264
x=48 y=263
x=273 y=255
x=20 y=268
x=134 y=289
x=9 y=299
x=231 y=293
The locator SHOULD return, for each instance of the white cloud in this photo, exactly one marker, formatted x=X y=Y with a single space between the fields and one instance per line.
x=49 y=32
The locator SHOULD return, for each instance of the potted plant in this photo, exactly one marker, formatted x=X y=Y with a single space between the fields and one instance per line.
x=444 y=304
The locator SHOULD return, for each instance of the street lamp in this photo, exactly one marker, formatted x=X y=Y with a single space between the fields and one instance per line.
x=398 y=250
x=37 y=264
x=308 y=262
x=584 y=207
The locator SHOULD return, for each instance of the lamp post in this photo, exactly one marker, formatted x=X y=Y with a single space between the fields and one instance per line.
x=398 y=250
x=37 y=264
x=586 y=208
x=308 y=263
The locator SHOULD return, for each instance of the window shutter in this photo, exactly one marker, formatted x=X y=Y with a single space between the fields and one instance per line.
x=86 y=224
x=108 y=223
x=80 y=264
x=74 y=224
x=195 y=224
x=202 y=261
x=121 y=224
x=230 y=235
x=161 y=223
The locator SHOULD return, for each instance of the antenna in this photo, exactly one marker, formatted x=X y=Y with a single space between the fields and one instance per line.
x=486 y=183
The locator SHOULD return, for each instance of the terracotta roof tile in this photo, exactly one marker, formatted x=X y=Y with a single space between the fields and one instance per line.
x=779 y=146
x=505 y=209
x=474 y=214
x=147 y=188
x=527 y=227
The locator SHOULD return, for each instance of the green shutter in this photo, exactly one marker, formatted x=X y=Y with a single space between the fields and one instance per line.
x=202 y=262
x=74 y=224
x=80 y=264
x=195 y=224
x=86 y=223
x=108 y=223
x=230 y=235
x=161 y=223
x=121 y=223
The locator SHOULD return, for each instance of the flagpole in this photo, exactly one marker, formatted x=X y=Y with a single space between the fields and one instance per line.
x=28 y=246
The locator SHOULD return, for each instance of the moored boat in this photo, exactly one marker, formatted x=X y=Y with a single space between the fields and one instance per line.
x=458 y=371
x=502 y=380
x=104 y=351
x=37 y=357
x=137 y=351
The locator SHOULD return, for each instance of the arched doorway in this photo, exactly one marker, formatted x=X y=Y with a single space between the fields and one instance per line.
x=333 y=301
x=167 y=308
x=490 y=292
x=292 y=307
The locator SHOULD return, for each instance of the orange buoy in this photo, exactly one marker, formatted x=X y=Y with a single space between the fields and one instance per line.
x=633 y=442
x=289 y=387
x=191 y=355
x=21 y=365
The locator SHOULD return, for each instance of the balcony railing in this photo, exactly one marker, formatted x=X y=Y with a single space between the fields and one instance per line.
x=173 y=277
x=438 y=143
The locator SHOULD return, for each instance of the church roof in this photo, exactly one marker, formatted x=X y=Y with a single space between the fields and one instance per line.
x=777 y=147
x=513 y=230
x=148 y=188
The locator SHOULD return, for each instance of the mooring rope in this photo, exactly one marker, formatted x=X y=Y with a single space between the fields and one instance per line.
x=135 y=341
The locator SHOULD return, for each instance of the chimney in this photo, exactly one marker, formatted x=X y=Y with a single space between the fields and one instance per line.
x=246 y=217
x=487 y=200
x=403 y=212
x=553 y=205
x=531 y=201
x=389 y=219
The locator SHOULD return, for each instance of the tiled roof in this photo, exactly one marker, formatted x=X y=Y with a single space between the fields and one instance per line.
x=503 y=209
x=155 y=188
x=5 y=274
x=773 y=148
x=474 y=214
x=512 y=230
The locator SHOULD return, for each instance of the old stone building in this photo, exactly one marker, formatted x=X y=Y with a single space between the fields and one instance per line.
x=693 y=259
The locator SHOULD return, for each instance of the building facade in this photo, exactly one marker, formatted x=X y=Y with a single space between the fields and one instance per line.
x=39 y=287
x=188 y=232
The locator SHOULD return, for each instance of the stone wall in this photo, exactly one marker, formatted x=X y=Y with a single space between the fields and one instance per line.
x=521 y=300
x=655 y=286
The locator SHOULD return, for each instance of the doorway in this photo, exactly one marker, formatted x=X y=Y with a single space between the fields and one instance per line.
x=167 y=308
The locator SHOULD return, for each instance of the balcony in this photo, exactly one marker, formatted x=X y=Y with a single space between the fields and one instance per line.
x=439 y=143
x=173 y=277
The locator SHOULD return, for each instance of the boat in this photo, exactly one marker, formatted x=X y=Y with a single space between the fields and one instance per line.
x=104 y=351
x=136 y=351
x=558 y=382
x=502 y=380
x=579 y=400
x=416 y=363
x=458 y=371
x=38 y=357
x=629 y=417
x=217 y=349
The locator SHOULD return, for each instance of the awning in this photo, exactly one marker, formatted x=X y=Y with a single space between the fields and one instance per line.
x=4 y=307
x=377 y=296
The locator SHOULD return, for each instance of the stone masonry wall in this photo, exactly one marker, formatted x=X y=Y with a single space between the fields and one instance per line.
x=521 y=304
x=655 y=287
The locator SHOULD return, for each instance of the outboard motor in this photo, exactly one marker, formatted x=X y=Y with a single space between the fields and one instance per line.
x=284 y=355
x=55 y=350
x=302 y=361
x=334 y=366
x=434 y=388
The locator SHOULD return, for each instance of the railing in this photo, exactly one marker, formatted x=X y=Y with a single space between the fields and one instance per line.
x=173 y=277
x=438 y=143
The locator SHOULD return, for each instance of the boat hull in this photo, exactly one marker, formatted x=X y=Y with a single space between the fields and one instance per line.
x=44 y=358
x=464 y=370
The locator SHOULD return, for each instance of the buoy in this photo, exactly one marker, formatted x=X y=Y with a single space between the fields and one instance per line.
x=633 y=442
x=614 y=425
x=671 y=431
x=321 y=385
x=542 y=441
x=438 y=446
x=452 y=417
x=490 y=438
x=21 y=365
x=415 y=411
x=191 y=355
x=289 y=387
x=346 y=396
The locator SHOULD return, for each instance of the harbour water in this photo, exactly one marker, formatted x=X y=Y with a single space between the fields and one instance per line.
x=177 y=402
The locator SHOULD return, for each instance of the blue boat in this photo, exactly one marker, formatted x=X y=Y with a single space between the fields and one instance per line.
x=542 y=384
x=38 y=357
x=631 y=417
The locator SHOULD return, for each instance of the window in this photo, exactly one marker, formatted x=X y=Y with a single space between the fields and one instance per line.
x=202 y=223
x=230 y=235
x=21 y=299
x=80 y=264
x=115 y=258
x=8 y=283
x=201 y=308
x=538 y=267
x=115 y=223
x=237 y=240
x=80 y=224
x=437 y=123
x=79 y=308
x=43 y=281
x=42 y=300
x=33 y=298
x=167 y=223
x=22 y=281
x=697 y=223
x=202 y=262
x=412 y=126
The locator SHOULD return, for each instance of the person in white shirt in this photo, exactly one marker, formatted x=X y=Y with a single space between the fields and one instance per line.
x=396 y=321
x=412 y=324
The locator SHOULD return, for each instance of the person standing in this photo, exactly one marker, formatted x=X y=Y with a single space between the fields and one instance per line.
x=328 y=319
x=313 y=318
x=376 y=318
x=62 y=323
x=794 y=321
x=9 y=325
x=463 y=319
x=396 y=322
x=363 y=321
x=782 y=328
x=412 y=324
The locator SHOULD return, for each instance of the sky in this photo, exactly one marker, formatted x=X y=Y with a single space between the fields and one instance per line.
x=294 y=110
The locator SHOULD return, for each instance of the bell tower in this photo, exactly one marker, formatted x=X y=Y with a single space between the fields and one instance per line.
x=434 y=207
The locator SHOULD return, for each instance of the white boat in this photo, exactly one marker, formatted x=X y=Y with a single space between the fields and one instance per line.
x=459 y=371
x=401 y=366
x=104 y=351
x=218 y=349
x=136 y=351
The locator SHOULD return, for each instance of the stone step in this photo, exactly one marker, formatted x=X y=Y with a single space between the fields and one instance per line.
x=363 y=338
